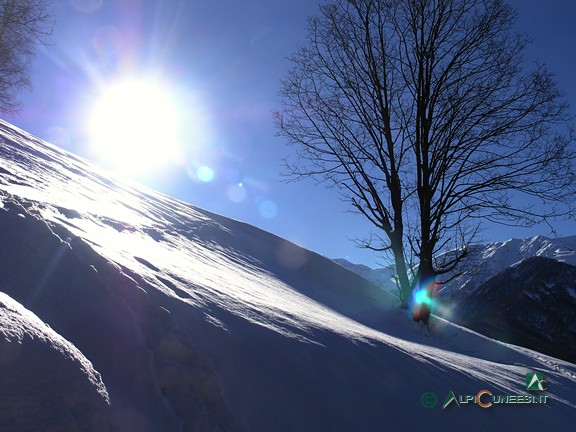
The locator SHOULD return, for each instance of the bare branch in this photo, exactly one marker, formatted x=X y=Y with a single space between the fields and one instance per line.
x=24 y=24
x=427 y=118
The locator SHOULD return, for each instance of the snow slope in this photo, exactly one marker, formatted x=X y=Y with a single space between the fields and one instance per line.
x=196 y=322
x=381 y=277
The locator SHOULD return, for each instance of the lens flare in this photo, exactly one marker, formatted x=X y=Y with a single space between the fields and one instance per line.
x=87 y=6
x=205 y=174
x=237 y=193
x=423 y=301
x=422 y=293
x=107 y=41
x=421 y=296
x=268 y=209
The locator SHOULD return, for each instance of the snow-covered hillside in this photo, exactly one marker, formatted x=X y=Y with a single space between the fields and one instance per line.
x=381 y=277
x=171 y=318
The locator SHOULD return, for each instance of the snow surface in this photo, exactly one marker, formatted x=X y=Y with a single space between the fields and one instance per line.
x=196 y=322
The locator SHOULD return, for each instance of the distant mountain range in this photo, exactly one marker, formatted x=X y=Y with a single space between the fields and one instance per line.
x=521 y=291
x=487 y=260
x=484 y=261
x=532 y=304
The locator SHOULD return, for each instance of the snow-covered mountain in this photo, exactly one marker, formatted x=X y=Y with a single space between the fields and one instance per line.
x=483 y=262
x=125 y=310
x=532 y=303
x=488 y=260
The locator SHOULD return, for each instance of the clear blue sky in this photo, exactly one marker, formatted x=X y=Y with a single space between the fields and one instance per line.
x=223 y=61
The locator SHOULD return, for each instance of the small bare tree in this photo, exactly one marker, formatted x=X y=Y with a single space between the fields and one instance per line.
x=24 y=24
x=426 y=117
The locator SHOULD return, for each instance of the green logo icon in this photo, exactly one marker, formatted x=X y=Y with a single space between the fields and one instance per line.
x=428 y=399
x=535 y=381
x=449 y=399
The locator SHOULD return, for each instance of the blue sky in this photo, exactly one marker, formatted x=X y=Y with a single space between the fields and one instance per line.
x=221 y=61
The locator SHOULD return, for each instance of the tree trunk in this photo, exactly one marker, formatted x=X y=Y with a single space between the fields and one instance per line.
x=426 y=285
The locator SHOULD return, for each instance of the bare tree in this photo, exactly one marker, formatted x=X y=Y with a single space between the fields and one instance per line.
x=24 y=24
x=427 y=118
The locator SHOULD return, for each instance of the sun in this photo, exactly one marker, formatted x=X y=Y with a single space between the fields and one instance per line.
x=134 y=126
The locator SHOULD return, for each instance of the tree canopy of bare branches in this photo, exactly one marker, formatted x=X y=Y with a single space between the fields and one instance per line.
x=24 y=24
x=428 y=119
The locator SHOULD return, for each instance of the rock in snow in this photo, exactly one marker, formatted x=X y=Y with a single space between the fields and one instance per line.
x=196 y=322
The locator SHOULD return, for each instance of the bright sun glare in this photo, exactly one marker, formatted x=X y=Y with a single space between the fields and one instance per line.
x=134 y=126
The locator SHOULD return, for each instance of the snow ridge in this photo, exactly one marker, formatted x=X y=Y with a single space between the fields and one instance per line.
x=45 y=379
